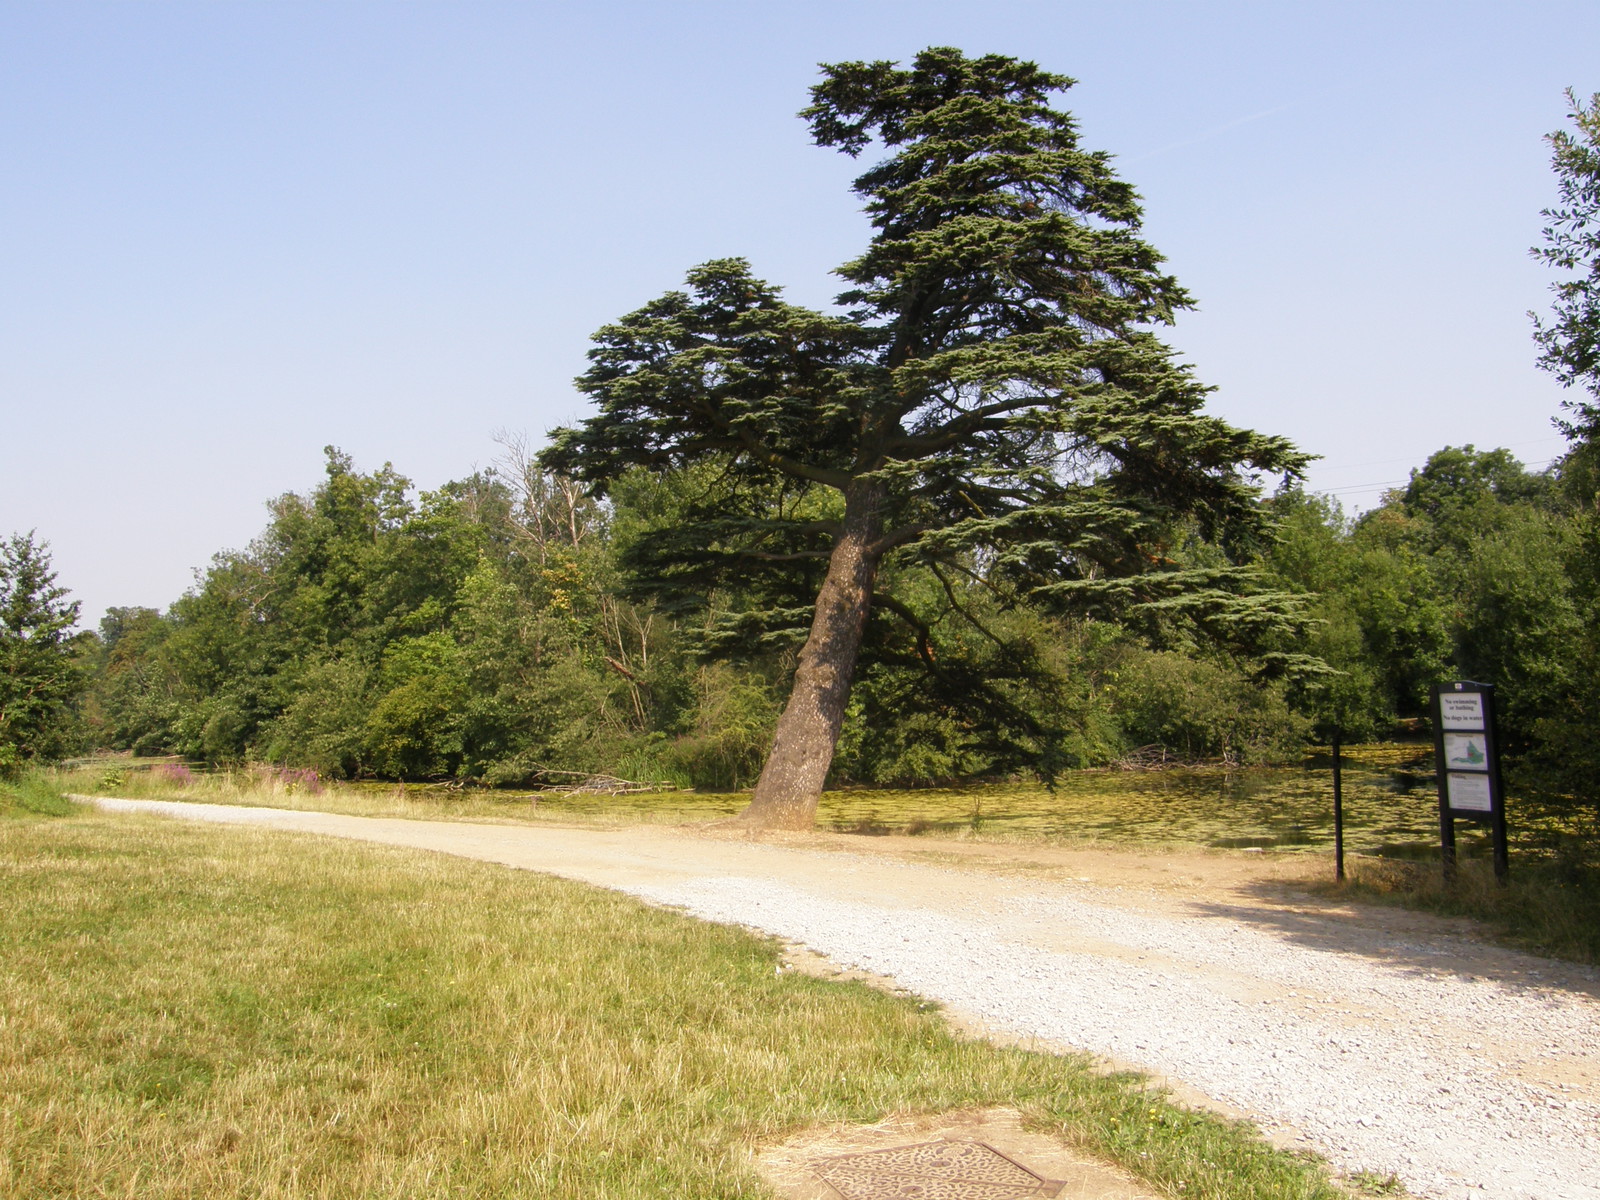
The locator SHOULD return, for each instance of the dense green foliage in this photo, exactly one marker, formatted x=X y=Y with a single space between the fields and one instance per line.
x=40 y=670
x=471 y=632
x=1548 y=606
x=488 y=630
x=1478 y=569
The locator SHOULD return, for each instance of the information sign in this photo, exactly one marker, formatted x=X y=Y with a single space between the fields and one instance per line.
x=1469 y=793
x=1466 y=751
x=1461 y=710
x=1467 y=761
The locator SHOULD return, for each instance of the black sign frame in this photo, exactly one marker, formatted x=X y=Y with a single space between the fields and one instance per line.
x=1466 y=757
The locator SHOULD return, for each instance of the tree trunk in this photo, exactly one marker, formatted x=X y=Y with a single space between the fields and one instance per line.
x=791 y=782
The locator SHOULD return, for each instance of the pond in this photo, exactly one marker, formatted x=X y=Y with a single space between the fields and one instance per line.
x=1391 y=807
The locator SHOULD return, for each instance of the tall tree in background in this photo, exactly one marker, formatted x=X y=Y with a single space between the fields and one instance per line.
x=40 y=675
x=990 y=409
x=1563 y=741
x=1570 y=341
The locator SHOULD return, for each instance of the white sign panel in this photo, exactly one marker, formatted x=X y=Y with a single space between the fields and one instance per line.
x=1461 y=710
x=1470 y=793
x=1466 y=751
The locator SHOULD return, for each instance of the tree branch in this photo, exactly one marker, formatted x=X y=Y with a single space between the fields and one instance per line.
x=797 y=556
x=950 y=594
x=839 y=480
x=909 y=616
x=960 y=426
x=896 y=538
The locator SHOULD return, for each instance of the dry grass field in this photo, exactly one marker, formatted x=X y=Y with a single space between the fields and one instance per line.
x=197 y=1012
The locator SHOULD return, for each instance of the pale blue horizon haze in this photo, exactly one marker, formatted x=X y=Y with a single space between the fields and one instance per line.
x=234 y=233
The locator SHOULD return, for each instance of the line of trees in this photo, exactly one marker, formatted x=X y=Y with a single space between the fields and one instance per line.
x=496 y=628
x=1479 y=568
x=493 y=629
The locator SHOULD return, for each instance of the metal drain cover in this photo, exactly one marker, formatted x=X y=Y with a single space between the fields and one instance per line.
x=933 y=1171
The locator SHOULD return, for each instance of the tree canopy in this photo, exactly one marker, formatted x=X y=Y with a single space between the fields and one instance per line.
x=40 y=672
x=1570 y=341
x=988 y=413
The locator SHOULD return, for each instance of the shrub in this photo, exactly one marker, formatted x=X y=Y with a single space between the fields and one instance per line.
x=1199 y=709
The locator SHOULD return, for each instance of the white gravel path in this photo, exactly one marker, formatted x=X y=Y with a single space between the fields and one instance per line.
x=1377 y=1063
x=1467 y=1072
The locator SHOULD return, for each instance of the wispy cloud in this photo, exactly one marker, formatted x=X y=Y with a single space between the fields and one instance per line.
x=1215 y=131
x=1313 y=98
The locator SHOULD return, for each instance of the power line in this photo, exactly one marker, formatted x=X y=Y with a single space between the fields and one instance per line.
x=1362 y=487
x=1384 y=462
x=1384 y=483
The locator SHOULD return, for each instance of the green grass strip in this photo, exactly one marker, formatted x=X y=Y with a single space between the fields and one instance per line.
x=196 y=1012
x=35 y=794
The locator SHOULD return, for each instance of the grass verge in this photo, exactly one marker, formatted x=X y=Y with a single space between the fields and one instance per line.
x=1550 y=904
x=35 y=794
x=195 y=1012
x=271 y=787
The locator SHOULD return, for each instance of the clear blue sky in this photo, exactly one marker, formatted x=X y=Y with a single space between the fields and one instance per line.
x=232 y=233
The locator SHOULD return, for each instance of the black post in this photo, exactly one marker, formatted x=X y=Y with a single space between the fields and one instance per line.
x=1338 y=812
x=1447 y=843
x=1502 y=857
x=1497 y=826
x=1447 y=822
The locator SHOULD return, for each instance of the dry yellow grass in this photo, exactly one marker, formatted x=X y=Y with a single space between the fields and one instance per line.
x=197 y=1012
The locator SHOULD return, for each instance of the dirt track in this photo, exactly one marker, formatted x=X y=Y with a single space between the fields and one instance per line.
x=1384 y=1040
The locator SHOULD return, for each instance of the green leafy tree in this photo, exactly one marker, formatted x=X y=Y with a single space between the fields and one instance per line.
x=1461 y=489
x=41 y=669
x=1520 y=624
x=133 y=701
x=1570 y=340
x=470 y=632
x=1315 y=554
x=415 y=727
x=1419 y=579
x=989 y=412
x=282 y=650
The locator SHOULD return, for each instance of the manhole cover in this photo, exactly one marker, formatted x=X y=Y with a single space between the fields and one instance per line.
x=933 y=1171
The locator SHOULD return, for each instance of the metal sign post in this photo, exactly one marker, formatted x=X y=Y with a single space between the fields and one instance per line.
x=1338 y=813
x=1466 y=753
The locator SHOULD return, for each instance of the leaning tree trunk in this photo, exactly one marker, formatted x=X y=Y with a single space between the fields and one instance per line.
x=786 y=795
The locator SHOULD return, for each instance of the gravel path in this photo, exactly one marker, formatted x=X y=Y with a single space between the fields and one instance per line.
x=1385 y=1042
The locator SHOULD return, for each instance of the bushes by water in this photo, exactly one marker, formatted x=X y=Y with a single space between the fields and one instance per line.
x=1201 y=709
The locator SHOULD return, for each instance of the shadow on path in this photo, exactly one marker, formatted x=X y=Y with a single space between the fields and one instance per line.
x=1419 y=944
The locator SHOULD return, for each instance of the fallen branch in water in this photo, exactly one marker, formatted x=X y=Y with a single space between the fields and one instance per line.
x=1157 y=757
x=586 y=784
